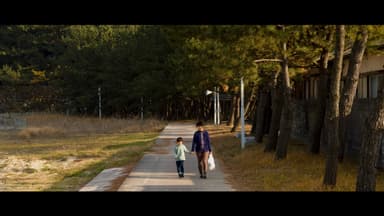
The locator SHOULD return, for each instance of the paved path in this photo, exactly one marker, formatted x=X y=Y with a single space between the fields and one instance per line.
x=104 y=180
x=156 y=171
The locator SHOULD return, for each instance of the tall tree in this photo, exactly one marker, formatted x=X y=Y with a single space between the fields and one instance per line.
x=314 y=146
x=277 y=106
x=350 y=86
x=318 y=125
x=371 y=140
x=233 y=108
x=261 y=108
x=332 y=112
x=267 y=81
x=286 y=116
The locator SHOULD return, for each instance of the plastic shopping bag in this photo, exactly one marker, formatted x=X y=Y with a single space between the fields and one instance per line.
x=211 y=162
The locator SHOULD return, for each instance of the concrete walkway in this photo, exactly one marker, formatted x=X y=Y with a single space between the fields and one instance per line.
x=104 y=180
x=156 y=171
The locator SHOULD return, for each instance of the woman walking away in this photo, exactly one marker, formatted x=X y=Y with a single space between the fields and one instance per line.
x=201 y=144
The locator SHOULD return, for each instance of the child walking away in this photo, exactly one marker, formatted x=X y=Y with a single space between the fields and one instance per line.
x=179 y=153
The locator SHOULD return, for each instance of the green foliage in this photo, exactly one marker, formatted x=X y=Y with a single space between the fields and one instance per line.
x=161 y=64
x=8 y=74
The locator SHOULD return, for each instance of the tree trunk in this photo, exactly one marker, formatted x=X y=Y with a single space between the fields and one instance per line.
x=286 y=121
x=332 y=112
x=268 y=113
x=206 y=106
x=252 y=109
x=277 y=106
x=324 y=129
x=254 y=121
x=237 y=118
x=209 y=105
x=237 y=114
x=261 y=115
x=167 y=110
x=286 y=116
x=350 y=86
x=250 y=102
x=233 y=112
x=366 y=179
x=320 y=109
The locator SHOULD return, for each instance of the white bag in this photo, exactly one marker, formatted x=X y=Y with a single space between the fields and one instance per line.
x=211 y=162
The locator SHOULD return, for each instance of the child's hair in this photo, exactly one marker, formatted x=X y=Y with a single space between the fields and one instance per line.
x=200 y=123
x=179 y=139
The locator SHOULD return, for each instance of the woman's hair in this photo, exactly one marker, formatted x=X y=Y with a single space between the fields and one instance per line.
x=179 y=139
x=200 y=123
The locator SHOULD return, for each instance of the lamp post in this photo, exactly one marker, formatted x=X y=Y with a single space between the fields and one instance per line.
x=242 y=113
x=216 y=104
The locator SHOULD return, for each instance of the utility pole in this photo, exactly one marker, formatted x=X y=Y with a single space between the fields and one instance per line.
x=214 y=106
x=99 y=93
x=142 y=108
x=242 y=113
x=218 y=106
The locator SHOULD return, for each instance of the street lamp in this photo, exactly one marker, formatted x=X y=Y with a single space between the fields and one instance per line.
x=208 y=92
x=216 y=104
x=99 y=94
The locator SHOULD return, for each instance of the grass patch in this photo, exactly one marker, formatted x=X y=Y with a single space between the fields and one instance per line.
x=253 y=170
x=75 y=179
x=117 y=146
x=71 y=163
x=82 y=125
x=63 y=153
x=31 y=132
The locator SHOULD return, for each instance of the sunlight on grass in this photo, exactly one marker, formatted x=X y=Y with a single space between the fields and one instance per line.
x=40 y=158
x=253 y=170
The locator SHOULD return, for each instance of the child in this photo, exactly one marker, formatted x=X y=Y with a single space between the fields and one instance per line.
x=179 y=154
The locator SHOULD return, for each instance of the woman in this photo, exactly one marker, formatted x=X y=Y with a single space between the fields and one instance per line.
x=201 y=144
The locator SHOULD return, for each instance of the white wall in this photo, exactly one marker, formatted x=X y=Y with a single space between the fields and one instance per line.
x=369 y=64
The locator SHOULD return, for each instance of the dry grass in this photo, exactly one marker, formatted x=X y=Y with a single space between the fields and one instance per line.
x=67 y=163
x=253 y=170
x=62 y=153
x=31 y=132
x=82 y=125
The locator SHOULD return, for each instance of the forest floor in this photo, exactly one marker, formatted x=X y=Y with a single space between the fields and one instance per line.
x=253 y=170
